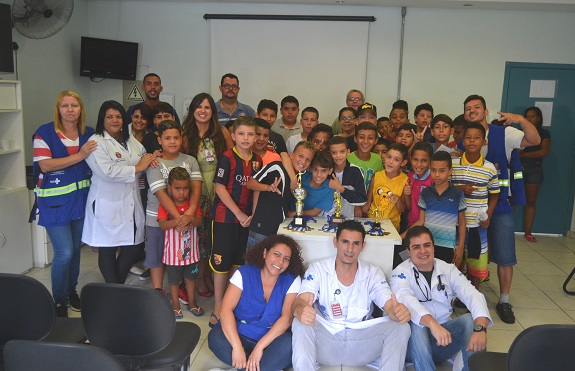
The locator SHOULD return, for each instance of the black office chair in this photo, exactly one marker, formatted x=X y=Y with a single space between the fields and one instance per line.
x=542 y=347
x=137 y=324
x=39 y=355
x=567 y=280
x=27 y=313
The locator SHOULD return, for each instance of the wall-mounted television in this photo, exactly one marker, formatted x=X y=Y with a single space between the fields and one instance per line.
x=109 y=59
x=6 y=50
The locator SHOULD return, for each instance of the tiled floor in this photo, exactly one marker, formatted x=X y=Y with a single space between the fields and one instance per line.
x=536 y=295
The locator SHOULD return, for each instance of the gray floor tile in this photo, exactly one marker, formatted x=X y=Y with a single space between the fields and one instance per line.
x=536 y=295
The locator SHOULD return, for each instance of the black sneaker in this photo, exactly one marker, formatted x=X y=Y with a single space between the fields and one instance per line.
x=74 y=302
x=61 y=310
x=505 y=312
x=145 y=276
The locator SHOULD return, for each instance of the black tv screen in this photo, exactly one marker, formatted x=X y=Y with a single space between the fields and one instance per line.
x=109 y=59
x=6 y=51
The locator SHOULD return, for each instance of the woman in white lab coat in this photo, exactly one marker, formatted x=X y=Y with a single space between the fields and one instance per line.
x=114 y=213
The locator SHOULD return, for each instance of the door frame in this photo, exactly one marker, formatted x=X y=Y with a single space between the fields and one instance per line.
x=506 y=79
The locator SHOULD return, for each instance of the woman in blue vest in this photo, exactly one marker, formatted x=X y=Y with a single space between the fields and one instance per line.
x=60 y=148
x=254 y=331
x=532 y=160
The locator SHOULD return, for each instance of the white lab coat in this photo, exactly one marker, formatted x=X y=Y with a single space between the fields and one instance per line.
x=370 y=285
x=114 y=207
x=405 y=286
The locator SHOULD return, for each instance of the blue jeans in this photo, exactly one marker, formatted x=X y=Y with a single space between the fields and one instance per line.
x=66 y=242
x=502 y=240
x=422 y=348
x=277 y=356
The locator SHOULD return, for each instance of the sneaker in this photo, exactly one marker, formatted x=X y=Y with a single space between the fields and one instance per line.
x=161 y=291
x=137 y=271
x=505 y=312
x=145 y=276
x=61 y=310
x=183 y=295
x=74 y=302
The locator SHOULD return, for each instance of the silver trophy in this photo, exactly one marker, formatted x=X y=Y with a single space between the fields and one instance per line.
x=299 y=193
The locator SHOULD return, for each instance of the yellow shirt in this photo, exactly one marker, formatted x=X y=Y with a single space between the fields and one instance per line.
x=382 y=186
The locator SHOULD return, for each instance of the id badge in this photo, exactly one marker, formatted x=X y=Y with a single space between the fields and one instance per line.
x=210 y=156
x=336 y=309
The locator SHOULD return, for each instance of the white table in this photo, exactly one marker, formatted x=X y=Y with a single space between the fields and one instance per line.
x=317 y=244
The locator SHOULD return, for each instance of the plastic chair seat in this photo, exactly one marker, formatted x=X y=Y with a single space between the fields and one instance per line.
x=542 y=347
x=137 y=324
x=41 y=355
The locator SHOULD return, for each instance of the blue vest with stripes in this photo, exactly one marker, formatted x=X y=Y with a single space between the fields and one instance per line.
x=61 y=196
x=496 y=154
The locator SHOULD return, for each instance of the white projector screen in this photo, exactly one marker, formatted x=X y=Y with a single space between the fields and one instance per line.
x=318 y=62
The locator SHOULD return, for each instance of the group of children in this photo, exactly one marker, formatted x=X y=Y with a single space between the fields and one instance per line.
x=394 y=173
x=413 y=174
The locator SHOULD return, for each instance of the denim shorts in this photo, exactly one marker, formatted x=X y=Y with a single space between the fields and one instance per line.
x=154 y=247
x=502 y=240
x=532 y=174
x=253 y=239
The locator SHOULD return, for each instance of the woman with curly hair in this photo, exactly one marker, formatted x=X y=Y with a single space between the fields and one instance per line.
x=204 y=139
x=256 y=311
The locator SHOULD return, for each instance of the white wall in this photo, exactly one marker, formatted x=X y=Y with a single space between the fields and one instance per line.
x=47 y=67
x=448 y=53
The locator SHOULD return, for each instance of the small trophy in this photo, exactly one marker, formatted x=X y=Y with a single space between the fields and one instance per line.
x=336 y=218
x=376 y=223
x=299 y=193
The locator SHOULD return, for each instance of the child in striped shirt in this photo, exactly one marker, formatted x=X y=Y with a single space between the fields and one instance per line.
x=478 y=180
x=181 y=253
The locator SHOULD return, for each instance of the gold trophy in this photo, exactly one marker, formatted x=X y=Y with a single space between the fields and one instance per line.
x=376 y=223
x=336 y=218
x=299 y=193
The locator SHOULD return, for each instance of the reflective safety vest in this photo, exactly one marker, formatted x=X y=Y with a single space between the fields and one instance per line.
x=61 y=195
x=510 y=173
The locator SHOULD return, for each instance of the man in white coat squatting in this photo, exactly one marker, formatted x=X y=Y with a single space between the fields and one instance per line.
x=333 y=322
x=427 y=286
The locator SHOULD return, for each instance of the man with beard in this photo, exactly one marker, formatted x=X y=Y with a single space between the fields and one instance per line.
x=152 y=87
x=228 y=107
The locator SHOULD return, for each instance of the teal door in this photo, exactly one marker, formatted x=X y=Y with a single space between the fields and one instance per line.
x=555 y=200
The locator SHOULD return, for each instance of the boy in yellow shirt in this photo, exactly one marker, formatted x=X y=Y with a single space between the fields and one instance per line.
x=389 y=192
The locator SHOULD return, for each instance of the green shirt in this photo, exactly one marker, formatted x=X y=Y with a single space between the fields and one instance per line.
x=368 y=168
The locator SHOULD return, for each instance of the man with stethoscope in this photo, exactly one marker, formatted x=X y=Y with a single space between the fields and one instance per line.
x=427 y=287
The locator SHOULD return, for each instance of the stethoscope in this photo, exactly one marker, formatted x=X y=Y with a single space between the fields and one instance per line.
x=426 y=294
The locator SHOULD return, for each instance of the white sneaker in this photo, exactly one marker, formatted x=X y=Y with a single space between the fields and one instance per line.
x=135 y=270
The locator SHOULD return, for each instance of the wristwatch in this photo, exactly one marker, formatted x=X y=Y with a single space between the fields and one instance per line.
x=478 y=328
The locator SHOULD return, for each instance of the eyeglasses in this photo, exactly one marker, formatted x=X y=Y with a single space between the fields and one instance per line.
x=356 y=99
x=230 y=87
x=317 y=142
x=347 y=118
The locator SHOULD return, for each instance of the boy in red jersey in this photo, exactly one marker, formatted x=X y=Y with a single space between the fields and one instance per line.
x=232 y=207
